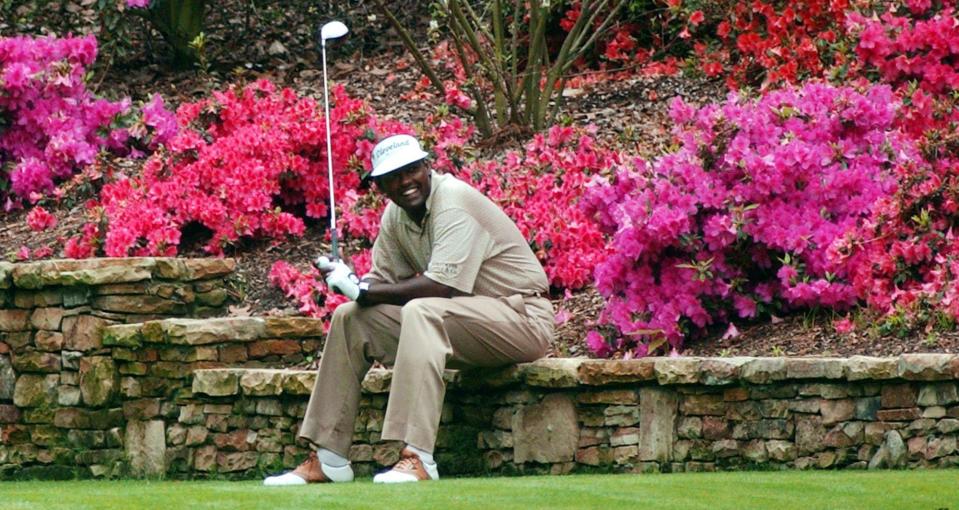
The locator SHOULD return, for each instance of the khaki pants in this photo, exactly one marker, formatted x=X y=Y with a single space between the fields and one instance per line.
x=417 y=339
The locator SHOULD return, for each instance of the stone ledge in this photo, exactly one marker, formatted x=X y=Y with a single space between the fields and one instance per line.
x=574 y=372
x=211 y=331
x=106 y=271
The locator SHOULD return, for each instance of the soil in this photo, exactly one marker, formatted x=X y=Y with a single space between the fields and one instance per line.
x=629 y=114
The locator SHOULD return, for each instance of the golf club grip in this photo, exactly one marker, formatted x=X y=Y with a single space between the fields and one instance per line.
x=333 y=245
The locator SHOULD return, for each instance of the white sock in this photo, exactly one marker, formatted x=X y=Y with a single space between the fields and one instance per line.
x=424 y=455
x=331 y=458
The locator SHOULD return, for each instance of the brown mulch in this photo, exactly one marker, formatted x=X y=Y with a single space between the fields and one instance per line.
x=801 y=336
x=630 y=115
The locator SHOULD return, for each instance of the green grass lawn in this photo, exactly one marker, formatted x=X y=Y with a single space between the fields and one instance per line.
x=777 y=490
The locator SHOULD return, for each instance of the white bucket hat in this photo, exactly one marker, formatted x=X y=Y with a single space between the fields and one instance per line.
x=395 y=152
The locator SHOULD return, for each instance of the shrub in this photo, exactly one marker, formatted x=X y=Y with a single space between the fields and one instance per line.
x=248 y=163
x=51 y=125
x=540 y=188
x=740 y=219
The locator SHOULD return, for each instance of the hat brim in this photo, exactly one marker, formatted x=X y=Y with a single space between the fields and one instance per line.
x=397 y=162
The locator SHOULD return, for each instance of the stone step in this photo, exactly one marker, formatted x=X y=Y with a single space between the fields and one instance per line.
x=573 y=372
x=193 y=332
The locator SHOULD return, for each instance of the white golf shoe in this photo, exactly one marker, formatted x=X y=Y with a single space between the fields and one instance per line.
x=311 y=471
x=410 y=468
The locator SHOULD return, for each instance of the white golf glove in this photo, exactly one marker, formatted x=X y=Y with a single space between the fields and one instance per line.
x=341 y=279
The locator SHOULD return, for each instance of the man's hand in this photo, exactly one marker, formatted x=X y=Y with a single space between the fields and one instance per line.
x=339 y=277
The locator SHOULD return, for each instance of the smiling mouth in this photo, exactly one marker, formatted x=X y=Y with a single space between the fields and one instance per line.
x=410 y=192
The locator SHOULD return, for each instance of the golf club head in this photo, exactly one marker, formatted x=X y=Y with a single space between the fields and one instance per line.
x=332 y=30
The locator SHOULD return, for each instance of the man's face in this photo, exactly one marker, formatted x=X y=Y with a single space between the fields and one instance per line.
x=408 y=186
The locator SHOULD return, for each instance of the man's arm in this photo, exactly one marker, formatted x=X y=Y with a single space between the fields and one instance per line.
x=403 y=291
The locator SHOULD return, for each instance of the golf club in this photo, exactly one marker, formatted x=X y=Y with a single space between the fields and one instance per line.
x=331 y=30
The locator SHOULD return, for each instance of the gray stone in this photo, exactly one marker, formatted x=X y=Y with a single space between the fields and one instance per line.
x=622 y=416
x=6 y=274
x=71 y=360
x=720 y=371
x=146 y=447
x=46 y=318
x=755 y=451
x=34 y=361
x=690 y=427
x=552 y=372
x=36 y=390
x=299 y=382
x=891 y=454
x=8 y=378
x=217 y=382
x=725 y=448
x=657 y=418
x=860 y=368
x=99 y=380
x=814 y=368
x=710 y=404
x=677 y=370
x=546 y=432
x=809 y=434
x=377 y=381
x=603 y=372
x=68 y=396
x=73 y=272
x=830 y=391
x=262 y=382
x=807 y=405
x=940 y=447
x=50 y=341
x=926 y=367
x=948 y=425
x=14 y=320
x=764 y=370
x=83 y=332
x=204 y=331
x=938 y=394
x=123 y=335
x=866 y=408
x=834 y=411
x=781 y=451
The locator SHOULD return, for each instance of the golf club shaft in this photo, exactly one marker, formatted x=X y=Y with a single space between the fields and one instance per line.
x=329 y=159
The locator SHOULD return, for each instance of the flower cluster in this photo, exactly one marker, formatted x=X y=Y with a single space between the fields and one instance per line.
x=906 y=258
x=51 y=125
x=767 y=42
x=921 y=46
x=540 y=189
x=741 y=219
x=241 y=163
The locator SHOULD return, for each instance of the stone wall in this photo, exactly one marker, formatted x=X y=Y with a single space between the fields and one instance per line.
x=55 y=370
x=96 y=381
x=652 y=415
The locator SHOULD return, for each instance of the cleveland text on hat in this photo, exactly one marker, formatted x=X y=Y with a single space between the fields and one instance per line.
x=380 y=151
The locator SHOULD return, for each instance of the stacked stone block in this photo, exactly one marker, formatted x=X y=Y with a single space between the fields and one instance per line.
x=654 y=415
x=97 y=380
x=60 y=399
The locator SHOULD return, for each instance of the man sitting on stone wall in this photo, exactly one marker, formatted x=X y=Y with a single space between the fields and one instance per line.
x=453 y=283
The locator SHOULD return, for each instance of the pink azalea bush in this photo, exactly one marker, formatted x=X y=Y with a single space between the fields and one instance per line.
x=540 y=188
x=51 y=125
x=904 y=259
x=239 y=165
x=742 y=218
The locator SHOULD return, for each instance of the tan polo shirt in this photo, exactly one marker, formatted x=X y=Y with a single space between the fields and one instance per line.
x=466 y=242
